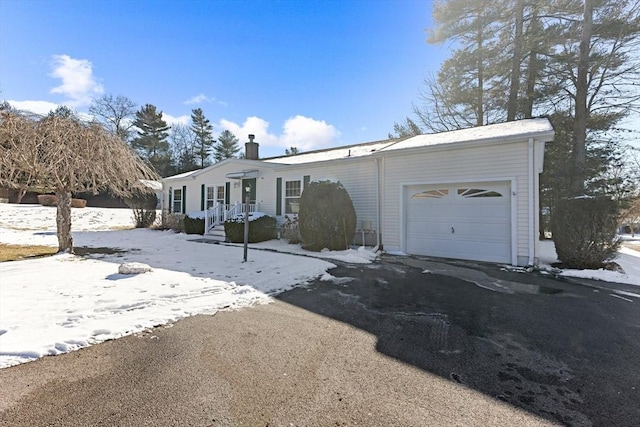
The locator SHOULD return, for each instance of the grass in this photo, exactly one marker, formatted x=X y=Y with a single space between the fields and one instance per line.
x=17 y=252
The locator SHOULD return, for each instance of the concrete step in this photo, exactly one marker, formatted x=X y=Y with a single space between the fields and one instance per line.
x=217 y=233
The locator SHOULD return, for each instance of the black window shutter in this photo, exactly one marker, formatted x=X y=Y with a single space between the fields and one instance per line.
x=202 y=197
x=184 y=199
x=278 y=196
x=227 y=191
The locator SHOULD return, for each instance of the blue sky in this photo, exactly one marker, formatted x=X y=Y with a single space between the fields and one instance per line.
x=305 y=73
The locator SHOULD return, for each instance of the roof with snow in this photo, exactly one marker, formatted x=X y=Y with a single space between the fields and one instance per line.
x=522 y=129
x=502 y=131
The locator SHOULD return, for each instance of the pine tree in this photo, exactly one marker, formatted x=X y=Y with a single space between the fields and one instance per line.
x=573 y=62
x=151 y=143
x=227 y=146
x=291 y=151
x=204 y=140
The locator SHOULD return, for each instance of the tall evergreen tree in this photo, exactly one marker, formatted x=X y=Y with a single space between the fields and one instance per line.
x=227 y=147
x=573 y=62
x=151 y=142
x=203 y=131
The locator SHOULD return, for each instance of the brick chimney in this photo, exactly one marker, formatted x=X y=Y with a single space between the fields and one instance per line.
x=251 y=149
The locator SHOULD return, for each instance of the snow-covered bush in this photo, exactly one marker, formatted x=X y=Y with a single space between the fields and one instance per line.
x=193 y=225
x=327 y=218
x=261 y=228
x=584 y=232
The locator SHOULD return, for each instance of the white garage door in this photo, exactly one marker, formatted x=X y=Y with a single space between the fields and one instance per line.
x=465 y=221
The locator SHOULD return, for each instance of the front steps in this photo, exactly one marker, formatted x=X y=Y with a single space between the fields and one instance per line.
x=217 y=233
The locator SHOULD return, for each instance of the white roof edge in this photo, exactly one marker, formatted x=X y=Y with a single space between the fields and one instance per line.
x=197 y=172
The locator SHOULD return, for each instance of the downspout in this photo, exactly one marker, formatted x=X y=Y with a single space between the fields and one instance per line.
x=377 y=202
x=532 y=213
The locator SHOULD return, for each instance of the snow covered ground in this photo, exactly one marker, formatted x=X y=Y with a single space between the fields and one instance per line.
x=628 y=259
x=57 y=304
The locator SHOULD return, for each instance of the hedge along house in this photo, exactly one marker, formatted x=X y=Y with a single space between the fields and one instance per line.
x=467 y=194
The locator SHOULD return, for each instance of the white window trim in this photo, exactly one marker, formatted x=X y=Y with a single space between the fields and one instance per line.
x=285 y=198
x=212 y=201
x=178 y=200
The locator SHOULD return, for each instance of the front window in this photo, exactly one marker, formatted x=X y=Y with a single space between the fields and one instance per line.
x=220 y=195
x=177 y=201
x=293 y=189
x=211 y=201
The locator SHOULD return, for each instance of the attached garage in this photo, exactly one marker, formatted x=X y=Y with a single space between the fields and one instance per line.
x=466 y=221
x=470 y=194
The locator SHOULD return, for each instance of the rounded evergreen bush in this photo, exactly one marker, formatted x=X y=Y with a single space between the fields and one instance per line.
x=261 y=228
x=327 y=218
x=584 y=232
x=193 y=225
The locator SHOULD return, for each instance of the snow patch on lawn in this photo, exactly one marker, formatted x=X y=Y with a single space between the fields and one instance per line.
x=627 y=258
x=57 y=304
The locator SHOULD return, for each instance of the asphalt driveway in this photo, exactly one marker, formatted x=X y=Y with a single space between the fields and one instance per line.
x=567 y=350
x=403 y=342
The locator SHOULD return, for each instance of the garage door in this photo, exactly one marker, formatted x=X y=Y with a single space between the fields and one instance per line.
x=465 y=221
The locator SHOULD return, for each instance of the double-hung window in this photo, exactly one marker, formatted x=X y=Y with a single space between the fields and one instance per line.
x=211 y=201
x=293 y=190
x=177 y=201
x=220 y=194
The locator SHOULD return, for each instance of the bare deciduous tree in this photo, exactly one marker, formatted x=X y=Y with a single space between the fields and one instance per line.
x=117 y=113
x=65 y=155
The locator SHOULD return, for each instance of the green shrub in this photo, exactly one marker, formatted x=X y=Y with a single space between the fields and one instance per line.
x=261 y=228
x=584 y=232
x=143 y=205
x=327 y=218
x=193 y=225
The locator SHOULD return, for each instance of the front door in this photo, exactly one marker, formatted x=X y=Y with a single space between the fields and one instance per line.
x=249 y=182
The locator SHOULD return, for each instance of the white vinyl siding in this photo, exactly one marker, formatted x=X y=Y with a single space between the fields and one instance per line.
x=504 y=162
x=358 y=177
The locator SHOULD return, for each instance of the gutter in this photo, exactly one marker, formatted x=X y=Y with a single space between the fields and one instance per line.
x=378 y=207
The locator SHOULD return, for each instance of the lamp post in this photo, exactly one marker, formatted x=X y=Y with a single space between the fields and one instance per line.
x=246 y=221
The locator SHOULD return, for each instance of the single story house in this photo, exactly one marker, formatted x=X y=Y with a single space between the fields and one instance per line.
x=468 y=194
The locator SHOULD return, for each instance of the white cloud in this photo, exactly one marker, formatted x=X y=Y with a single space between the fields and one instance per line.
x=173 y=120
x=78 y=83
x=43 y=108
x=252 y=125
x=201 y=98
x=38 y=107
x=307 y=134
x=299 y=131
x=198 y=99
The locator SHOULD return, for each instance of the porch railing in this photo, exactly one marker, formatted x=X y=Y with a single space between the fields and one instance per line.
x=219 y=213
